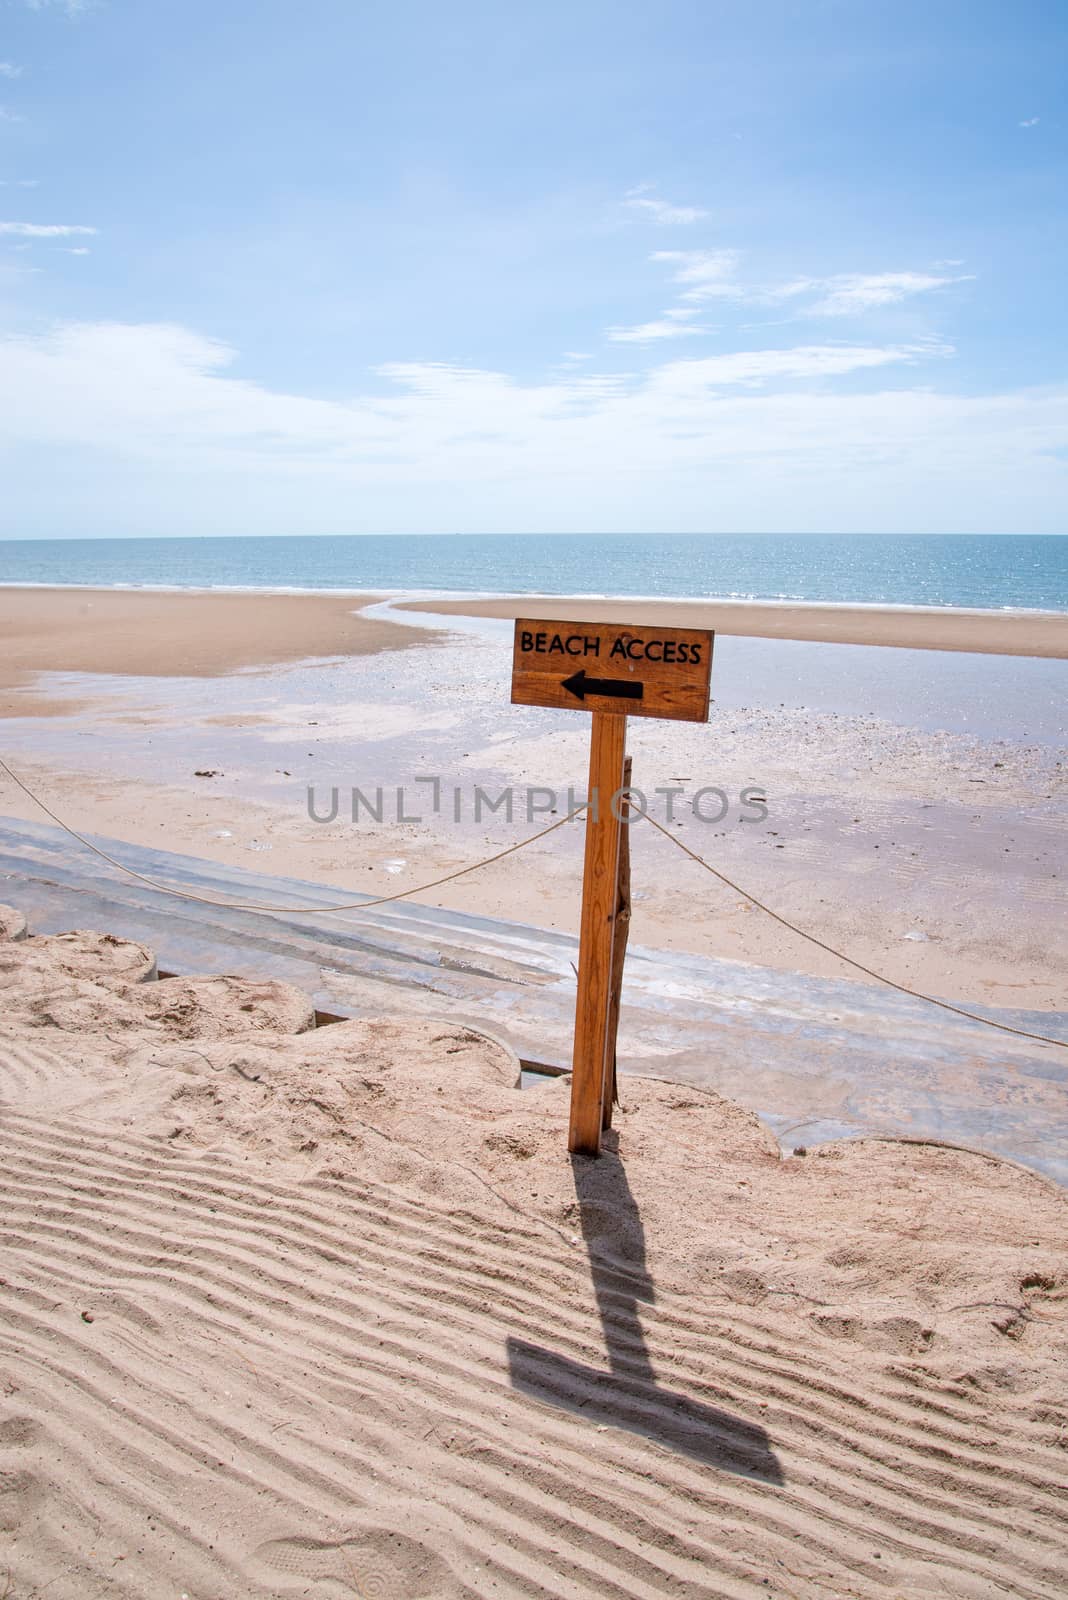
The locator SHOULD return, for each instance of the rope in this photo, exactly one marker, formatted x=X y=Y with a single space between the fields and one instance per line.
x=945 y=1005
x=450 y=877
x=293 y=911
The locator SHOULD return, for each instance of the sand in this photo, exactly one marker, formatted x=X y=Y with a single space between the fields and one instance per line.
x=329 y=1312
x=1006 y=633
x=936 y=858
x=187 y=634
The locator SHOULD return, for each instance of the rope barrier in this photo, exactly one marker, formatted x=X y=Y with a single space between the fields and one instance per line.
x=293 y=911
x=945 y=1005
x=450 y=877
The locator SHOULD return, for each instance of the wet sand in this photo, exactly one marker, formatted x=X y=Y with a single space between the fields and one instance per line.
x=1006 y=633
x=930 y=852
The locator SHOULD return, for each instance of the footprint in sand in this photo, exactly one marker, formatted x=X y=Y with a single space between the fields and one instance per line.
x=375 y=1563
x=21 y=1496
x=16 y=1431
x=1045 y=1293
x=895 y=1336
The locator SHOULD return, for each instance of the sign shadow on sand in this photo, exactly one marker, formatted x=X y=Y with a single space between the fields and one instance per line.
x=628 y=1395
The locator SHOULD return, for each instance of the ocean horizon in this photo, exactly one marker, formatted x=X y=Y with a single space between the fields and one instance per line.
x=984 y=571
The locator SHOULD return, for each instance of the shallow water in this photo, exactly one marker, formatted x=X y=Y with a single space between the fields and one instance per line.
x=1022 y=699
x=273 y=731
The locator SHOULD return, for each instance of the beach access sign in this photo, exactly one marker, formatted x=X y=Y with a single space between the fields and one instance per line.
x=614 y=672
x=599 y=666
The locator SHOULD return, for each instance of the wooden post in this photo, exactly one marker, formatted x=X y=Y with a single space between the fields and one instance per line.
x=590 y=1065
x=619 y=949
x=638 y=671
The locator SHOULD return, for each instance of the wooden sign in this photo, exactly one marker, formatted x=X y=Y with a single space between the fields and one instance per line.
x=610 y=670
x=604 y=666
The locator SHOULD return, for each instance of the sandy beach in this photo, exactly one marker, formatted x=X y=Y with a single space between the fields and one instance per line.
x=533 y=802
x=934 y=856
x=155 y=634
x=1035 y=633
x=281 y=1318
x=296 y=1309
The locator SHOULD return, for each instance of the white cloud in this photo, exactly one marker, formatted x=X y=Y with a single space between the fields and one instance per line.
x=662 y=212
x=7 y=115
x=163 y=388
x=853 y=292
x=43 y=230
x=753 y=368
x=77 y=250
x=785 y=291
x=713 y=274
x=671 y=326
x=706 y=274
x=151 y=419
x=8 y=69
x=73 y=8
x=1030 y=122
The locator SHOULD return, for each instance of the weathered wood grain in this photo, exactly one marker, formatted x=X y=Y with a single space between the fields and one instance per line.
x=653 y=672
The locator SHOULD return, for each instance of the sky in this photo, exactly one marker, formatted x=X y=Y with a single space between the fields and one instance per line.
x=717 y=266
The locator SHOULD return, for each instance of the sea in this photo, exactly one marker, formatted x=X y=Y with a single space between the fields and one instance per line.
x=990 y=572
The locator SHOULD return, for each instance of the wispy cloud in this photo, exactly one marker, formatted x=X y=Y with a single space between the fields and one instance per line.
x=77 y=250
x=714 y=274
x=662 y=212
x=7 y=115
x=704 y=274
x=670 y=326
x=851 y=293
x=73 y=8
x=44 y=230
x=8 y=69
x=751 y=438
x=1030 y=122
x=755 y=368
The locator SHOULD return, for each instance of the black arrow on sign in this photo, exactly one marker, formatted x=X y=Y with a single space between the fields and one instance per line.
x=580 y=686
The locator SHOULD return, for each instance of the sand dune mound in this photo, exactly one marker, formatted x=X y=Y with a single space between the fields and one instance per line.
x=90 y=983
x=207 y=1008
x=330 y=1312
x=98 y=958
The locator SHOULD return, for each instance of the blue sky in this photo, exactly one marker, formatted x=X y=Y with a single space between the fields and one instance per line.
x=356 y=268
